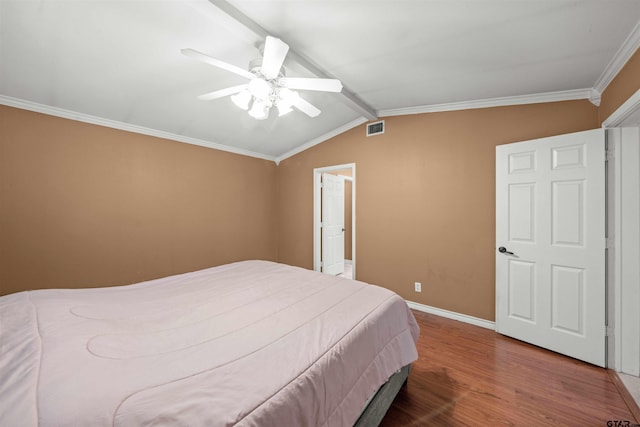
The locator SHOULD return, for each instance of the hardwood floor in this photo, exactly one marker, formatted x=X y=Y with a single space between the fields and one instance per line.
x=468 y=375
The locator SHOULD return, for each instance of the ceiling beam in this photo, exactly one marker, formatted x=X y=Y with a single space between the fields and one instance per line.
x=352 y=99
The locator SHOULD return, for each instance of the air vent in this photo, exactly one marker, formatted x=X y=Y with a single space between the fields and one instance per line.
x=375 y=128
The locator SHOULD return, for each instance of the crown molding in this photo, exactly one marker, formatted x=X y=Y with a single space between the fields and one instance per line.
x=568 y=95
x=630 y=106
x=86 y=118
x=322 y=138
x=619 y=60
x=595 y=97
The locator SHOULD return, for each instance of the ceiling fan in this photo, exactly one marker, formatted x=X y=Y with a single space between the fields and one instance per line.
x=268 y=85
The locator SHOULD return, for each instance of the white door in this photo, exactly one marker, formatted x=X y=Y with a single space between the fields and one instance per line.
x=550 y=238
x=332 y=224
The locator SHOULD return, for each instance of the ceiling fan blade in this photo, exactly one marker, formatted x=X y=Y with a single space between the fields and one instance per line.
x=217 y=63
x=274 y=52
x=325 y=85
x=222 y=92
x=305 y=106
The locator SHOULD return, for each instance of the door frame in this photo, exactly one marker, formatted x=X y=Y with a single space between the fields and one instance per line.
x=620 y=255
x=317 y=214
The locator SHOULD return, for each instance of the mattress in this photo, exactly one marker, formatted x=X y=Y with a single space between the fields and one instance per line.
x=252 y=343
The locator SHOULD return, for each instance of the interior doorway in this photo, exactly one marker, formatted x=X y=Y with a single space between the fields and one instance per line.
x=623 y=242
x=348 y=173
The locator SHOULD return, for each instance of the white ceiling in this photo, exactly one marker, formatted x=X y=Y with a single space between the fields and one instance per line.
x=118 y=62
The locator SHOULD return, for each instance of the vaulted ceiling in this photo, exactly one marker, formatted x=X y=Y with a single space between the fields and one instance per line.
x=118 y=62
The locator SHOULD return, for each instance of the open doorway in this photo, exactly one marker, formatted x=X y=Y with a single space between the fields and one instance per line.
x=623 y=294
x=347 y=174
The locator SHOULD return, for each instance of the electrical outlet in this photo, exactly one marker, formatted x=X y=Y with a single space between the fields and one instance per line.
x=418 y=287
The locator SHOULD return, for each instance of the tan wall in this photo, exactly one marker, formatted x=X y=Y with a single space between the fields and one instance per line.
x=83 y=205
x=425 y=198
x=625 y=84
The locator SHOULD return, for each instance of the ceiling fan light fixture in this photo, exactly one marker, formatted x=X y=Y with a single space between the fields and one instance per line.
x=284 y=108
x=259 y=110
x=285 y=100
x=260 y=88
x=242 y=99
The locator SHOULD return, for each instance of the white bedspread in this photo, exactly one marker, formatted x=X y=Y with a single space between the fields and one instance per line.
x=252 y=343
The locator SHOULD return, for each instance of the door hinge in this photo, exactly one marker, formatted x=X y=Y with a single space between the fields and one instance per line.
x=609 y=243
x=609 y=154
x=321 y=224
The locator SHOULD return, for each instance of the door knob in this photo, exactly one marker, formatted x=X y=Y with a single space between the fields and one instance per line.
x=504 y=250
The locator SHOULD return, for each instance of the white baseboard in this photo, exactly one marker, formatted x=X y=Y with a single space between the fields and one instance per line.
x=452 y=315
x=348 y=261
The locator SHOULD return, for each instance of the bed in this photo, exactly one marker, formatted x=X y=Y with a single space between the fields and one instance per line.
x=252 y=343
